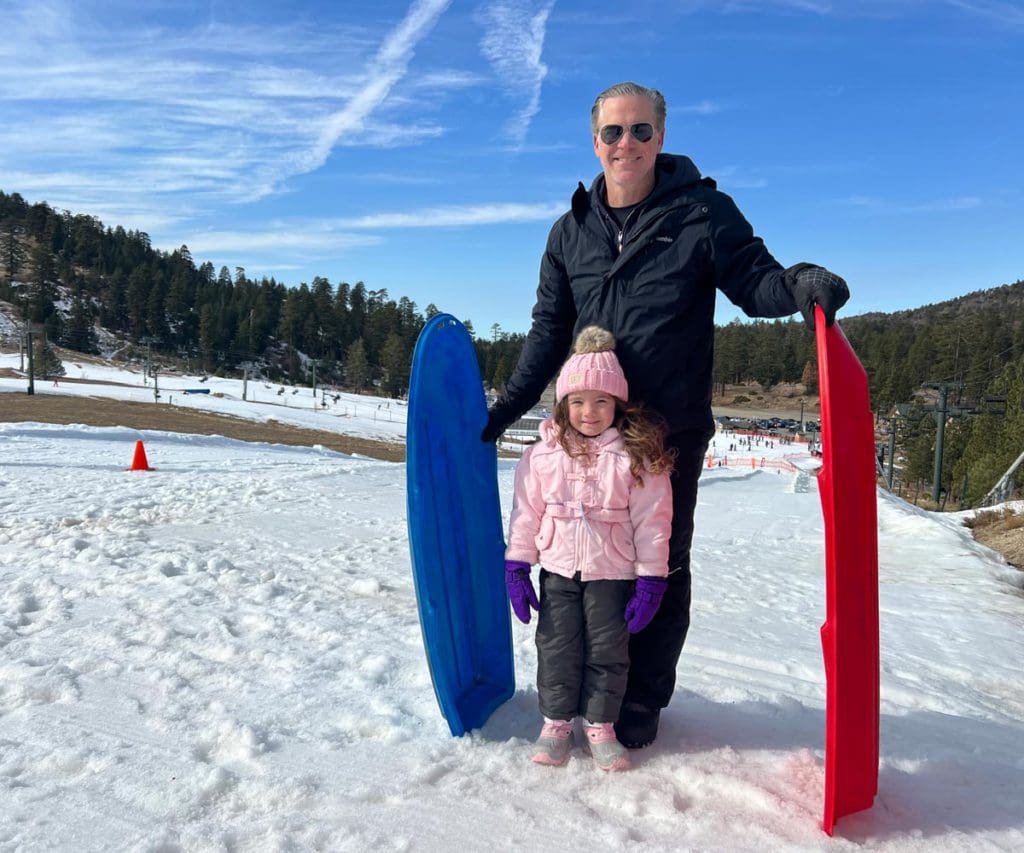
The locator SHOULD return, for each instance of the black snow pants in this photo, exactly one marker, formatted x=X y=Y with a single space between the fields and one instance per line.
x=582 y=647
x=654 y=651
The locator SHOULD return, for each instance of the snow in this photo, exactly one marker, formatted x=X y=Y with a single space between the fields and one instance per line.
x=224 y=653
x=352 y=414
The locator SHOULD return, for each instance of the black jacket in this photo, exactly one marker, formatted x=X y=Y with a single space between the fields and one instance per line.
x=657 y=296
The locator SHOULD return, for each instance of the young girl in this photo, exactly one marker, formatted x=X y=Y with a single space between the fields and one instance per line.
x=593 y=506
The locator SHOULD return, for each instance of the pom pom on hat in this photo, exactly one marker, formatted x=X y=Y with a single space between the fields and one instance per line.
x=593 y=366
x=594 y=339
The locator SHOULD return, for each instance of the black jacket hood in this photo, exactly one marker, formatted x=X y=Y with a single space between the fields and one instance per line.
x=676 y=177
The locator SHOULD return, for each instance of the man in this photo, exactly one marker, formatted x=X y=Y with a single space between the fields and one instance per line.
x=641 y=254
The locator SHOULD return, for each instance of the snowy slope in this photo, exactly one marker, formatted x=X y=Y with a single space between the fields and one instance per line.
x=224 y=653
x=333 y=411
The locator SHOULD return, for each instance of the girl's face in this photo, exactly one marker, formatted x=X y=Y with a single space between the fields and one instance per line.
x=591 y=412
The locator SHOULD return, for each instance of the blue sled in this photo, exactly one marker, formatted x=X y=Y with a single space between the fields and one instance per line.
x=455 y=531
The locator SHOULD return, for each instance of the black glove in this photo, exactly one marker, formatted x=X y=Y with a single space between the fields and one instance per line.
x=810 y=286
x=499 y=416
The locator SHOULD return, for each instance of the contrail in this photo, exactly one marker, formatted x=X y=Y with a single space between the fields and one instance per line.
x=387 y=68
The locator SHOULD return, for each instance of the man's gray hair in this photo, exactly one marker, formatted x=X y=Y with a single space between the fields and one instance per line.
x=620 y=90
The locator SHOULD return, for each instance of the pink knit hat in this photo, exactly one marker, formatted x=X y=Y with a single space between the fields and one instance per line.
x=593 y=366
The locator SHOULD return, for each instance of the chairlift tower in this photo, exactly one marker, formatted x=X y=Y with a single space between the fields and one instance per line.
x=941 y=413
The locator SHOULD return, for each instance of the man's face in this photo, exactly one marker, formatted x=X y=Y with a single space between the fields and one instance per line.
x=628 y=164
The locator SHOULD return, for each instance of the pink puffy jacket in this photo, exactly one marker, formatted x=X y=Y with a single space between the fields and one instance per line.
x=594 y=520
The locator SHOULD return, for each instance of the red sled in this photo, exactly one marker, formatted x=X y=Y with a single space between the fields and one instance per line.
x=849 y=637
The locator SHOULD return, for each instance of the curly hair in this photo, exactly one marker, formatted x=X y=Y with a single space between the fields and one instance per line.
x=643 y=433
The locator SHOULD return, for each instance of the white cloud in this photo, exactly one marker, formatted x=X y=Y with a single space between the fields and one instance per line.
x=307 y=240
x=1009 y=14
x=888 y=206
x=283 y=239
x=106 y=112
x=819 y=7
x=391 y=135
x=703 y=108
x=513 y=42
x=737 y=177
x=459 y=215
x=1003 y=12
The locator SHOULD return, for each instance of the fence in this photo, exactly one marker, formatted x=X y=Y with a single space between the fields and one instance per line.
x=753 y=462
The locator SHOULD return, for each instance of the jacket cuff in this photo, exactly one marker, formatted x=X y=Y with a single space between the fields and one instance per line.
x=523 y=556
x=653 y=570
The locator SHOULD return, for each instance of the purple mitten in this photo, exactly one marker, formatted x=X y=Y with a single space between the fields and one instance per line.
x=644 y=603
x=520 y=589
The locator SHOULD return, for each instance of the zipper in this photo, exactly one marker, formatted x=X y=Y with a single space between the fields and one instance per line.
x=622 y=230
x=697 y=211
x=581 y=540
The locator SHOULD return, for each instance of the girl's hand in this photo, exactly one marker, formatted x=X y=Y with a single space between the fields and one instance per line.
x=645 y=602
x=520 y=589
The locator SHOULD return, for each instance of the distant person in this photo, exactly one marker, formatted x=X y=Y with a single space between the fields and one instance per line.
x=641 y=254
x=593 y=506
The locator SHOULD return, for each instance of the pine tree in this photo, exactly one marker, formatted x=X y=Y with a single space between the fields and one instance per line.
x=208 y=337
x=45 y=362
x=156 y=314
x=79 y=334
x=114 y=310
x=12 y=254
x=809 y=377
x=357 y=366
x=37 y=302
x=138 y=302
x=502 y=372
x=394 y=361
x=342 y=320
x=356 y=310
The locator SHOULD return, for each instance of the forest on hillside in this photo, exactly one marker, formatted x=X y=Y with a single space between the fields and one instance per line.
x=73 y=280
x=69 y=275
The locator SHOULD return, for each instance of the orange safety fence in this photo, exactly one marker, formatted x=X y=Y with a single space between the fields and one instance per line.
x=769 y=436
x=752 y=462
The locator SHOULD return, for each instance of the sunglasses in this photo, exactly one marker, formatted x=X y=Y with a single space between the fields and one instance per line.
x=612 y=133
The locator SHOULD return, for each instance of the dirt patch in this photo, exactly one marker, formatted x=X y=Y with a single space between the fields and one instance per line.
x=753 y=401
x=98 y=411
x=71 y=380
x=1009 y=543
x=1002 y=531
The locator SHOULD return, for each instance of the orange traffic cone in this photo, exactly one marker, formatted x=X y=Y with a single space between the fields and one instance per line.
x=139 y=462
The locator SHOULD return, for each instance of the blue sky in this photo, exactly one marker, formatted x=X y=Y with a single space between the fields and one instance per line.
x=426 y=146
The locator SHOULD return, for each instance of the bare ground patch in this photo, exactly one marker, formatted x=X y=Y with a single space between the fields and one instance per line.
x=98 y=411
x=1001 y=530
x=754 y=401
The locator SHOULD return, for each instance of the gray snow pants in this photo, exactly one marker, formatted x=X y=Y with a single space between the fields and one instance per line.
x=582 y=647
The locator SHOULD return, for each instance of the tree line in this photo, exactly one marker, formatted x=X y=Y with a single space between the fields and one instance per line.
x=68 y=275
x=71 y=276
x=973 y=345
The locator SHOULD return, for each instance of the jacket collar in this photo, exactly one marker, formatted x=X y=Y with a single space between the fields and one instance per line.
x=675 y=176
